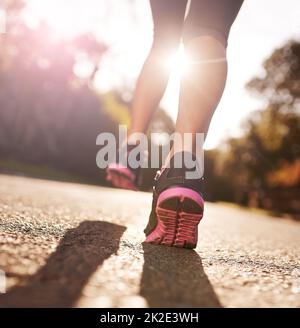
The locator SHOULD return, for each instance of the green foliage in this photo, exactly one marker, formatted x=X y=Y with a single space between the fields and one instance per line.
x=254 y=166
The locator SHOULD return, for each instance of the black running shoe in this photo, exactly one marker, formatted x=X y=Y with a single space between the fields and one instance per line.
x=177 y=208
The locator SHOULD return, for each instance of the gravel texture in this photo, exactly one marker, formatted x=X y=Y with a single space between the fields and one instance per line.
x=72 y=245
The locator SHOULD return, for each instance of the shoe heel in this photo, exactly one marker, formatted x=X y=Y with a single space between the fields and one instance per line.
x=179 y=211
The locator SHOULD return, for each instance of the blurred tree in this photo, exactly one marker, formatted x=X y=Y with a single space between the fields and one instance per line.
x=256 y=166
x=45 y=107
x=50 y=113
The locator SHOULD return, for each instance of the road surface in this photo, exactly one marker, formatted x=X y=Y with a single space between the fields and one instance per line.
x=72 y=245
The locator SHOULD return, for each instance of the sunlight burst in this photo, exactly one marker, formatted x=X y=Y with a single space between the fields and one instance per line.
x=178 y=64
x=66 y=18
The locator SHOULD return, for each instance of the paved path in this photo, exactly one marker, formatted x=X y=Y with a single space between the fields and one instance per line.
x=64 y=244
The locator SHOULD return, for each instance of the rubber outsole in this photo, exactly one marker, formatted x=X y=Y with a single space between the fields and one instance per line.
x=179 y=211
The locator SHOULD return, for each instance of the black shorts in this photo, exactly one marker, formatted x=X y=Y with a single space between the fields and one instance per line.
x=204 y=17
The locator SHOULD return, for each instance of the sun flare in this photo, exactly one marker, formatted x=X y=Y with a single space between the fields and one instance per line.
x=178 y=63
x=66 y=18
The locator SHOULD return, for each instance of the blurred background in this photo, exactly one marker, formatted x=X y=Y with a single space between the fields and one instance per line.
x=68 y=70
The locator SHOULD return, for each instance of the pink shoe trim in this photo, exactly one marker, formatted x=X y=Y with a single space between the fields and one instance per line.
x=121 y=177
x=122 y=169
x=181 y=192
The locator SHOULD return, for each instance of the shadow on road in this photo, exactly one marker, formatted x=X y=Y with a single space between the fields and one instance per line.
x=174 y=277
x=60 y=281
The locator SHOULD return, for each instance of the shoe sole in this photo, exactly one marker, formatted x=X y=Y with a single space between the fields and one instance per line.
x=179 y=211
x=121 y=177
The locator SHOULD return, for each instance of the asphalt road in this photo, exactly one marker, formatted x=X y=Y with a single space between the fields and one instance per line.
x=64 y=244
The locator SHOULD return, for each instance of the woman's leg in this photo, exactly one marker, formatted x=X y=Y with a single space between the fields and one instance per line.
x=178 y=204
x=168 y=17
x=202 y=85
x=206 y=32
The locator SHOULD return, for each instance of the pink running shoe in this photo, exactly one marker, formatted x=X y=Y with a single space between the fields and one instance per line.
x=121 y=176
x=177 y=209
